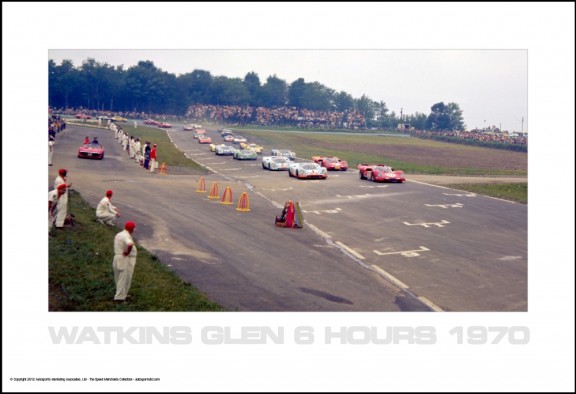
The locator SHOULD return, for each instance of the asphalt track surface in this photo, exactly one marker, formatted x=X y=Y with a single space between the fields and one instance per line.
x=364 y=246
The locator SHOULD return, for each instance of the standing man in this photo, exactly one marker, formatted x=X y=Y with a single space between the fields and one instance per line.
x=135 y=124
x=105 y=211
x=50 y=150
x=137 y=149
x=147 y=151
x=63 y=208
x=153 y=158
x=124 y=261
x=54 y=201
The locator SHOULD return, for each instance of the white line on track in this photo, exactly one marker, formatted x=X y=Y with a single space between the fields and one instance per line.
x=350 y=250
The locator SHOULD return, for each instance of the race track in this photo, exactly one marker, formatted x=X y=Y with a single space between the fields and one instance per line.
x=364 y=246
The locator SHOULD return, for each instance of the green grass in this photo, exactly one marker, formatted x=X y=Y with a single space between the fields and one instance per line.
x=165 y=151
x=81 y=277
x=307 y=144
x=508 y=191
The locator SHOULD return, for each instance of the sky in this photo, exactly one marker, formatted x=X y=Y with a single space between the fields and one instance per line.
x=491 y=86
x=474 y=54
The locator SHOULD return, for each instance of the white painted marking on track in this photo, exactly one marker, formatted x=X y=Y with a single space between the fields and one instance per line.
x=390 y=277
x=428 y=225
x=350 y=250
x=405 y=253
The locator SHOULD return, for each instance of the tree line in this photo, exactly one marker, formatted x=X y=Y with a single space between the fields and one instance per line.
x=146 y=88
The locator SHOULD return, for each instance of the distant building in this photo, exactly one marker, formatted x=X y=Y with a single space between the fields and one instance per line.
x=403 y=126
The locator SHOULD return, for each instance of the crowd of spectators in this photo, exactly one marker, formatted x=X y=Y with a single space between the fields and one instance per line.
x=92 y=113
x=55 y=125
x=477 y=135
x=282 y=116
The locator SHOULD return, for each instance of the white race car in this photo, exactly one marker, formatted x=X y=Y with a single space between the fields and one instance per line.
x=307 y=170
x=224 y=150
x=275 y=163
x=283 y=152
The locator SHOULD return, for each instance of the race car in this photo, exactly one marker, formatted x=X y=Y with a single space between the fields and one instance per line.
x=204 y=139
x=91 y=151
x=380 y=173
x=119 y=119
x=283 y=152
x=307 y=171
x=164 y=125
x=188 y=127
x=275 y=163
x=254 y=147
x=331 y=162
x=238 y=139
x=224 y=150
x=244 y=154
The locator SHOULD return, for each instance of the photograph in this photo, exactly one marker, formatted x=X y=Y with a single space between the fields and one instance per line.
x=340 y=200
x=383 y=209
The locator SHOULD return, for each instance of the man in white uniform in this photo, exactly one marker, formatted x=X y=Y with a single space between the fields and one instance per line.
x=124 y=261
x=50 y=150
x=63 y=204
x=105 y=211
x=54 y=198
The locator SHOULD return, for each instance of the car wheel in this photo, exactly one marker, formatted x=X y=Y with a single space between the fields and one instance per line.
x=372 y=178
x=102 y=157
x=361 y=175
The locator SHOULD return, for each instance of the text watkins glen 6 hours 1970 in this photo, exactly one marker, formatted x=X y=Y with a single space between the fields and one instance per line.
x=300 y=335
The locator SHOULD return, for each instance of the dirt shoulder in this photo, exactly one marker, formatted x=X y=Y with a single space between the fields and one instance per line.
x=453 y=180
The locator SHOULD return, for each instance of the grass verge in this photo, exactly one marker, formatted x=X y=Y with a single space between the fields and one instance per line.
x=517 y=192
x=81 y=276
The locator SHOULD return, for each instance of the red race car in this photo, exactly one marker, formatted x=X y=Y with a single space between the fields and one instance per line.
x=380 y=173
x=204 y=139
x=91 y=151
x=331 y=163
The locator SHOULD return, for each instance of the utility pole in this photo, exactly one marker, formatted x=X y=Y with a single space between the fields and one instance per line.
x=522 y=125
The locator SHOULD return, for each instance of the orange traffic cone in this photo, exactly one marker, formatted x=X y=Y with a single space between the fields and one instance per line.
x=227 y=196
x=243 y=203
x=201 y=185
x=214 y=191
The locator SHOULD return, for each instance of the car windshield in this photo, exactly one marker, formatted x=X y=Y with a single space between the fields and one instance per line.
x=309 y=166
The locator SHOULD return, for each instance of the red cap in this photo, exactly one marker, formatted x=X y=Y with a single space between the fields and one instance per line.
x=61 y=186
x=130 y=226
x=62 y=171
x=108 y=193
x=154 y=144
